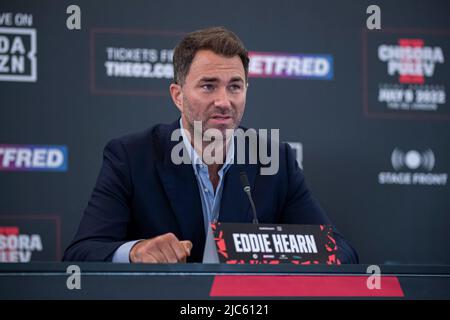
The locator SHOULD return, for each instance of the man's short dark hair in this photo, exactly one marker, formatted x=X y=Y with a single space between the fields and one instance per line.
x=217 y=39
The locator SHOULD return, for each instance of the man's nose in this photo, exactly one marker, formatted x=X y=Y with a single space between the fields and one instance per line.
x=222 y=99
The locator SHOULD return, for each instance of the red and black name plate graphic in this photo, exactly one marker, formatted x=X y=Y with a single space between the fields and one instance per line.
x=239 y=243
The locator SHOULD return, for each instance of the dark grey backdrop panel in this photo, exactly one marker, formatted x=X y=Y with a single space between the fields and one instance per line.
x=345 y=148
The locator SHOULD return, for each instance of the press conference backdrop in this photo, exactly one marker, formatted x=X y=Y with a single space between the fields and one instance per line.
x=367 y=111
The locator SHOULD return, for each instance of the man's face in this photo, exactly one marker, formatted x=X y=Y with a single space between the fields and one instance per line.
x=214 y=92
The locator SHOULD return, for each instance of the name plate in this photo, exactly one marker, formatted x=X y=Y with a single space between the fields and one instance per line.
x=239 y=243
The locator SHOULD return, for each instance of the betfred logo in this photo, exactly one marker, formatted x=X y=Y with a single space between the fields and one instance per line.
x=33 y=158
x=17 y=247
x=291 y=66
x=411 y=60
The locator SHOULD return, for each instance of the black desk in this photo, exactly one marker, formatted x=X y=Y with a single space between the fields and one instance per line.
x=195 y=281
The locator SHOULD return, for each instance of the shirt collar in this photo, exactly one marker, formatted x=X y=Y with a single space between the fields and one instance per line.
x=197 y=160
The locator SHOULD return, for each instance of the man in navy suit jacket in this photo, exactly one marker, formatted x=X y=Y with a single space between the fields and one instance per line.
x=147 y=208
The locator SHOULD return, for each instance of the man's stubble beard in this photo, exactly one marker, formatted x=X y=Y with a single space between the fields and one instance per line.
x=187 y=107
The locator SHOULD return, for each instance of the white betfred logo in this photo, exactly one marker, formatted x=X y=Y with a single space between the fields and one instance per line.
x=33 y=157
x=411 y=163
x=290 y=65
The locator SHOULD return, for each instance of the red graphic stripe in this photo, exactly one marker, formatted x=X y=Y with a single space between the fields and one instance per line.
x=412 y=79
x=8 y=231
x=411 y=42
x=303 y=286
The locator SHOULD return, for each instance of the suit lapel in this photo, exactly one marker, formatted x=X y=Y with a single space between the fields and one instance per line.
x=180 y=185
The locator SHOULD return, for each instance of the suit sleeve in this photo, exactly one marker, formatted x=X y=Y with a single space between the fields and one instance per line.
x=302 y=208
x=103 y=227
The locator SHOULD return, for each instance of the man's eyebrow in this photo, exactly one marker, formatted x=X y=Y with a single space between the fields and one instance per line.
x=215 y=79
x=237 y=79
x=208 y=79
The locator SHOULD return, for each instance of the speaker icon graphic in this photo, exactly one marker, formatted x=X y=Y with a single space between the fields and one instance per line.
x=412 y=159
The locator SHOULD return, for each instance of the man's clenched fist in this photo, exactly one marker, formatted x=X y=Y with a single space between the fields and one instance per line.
x=165 y=248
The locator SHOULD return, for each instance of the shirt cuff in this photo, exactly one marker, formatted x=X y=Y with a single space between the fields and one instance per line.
x=122 y=254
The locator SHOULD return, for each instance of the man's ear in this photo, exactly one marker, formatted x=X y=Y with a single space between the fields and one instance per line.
x=177 y=95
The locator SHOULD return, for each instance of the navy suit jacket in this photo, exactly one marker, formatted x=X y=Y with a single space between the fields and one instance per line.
x=140 y=194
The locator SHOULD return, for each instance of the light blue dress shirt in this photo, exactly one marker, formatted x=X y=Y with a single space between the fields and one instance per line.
x=210 y=200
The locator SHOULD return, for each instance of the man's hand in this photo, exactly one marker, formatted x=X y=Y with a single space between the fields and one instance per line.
x=165 y=248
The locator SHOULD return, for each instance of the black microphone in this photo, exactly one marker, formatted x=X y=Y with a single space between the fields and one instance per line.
x=246 y=185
